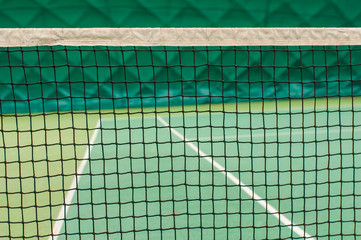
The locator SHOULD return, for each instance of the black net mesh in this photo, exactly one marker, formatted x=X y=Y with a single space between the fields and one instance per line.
x=180 y=142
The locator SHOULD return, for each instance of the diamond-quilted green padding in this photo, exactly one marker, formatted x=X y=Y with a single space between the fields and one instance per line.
x=286 y=14
x=63 y=78
x=179 y=13
x=331 y=11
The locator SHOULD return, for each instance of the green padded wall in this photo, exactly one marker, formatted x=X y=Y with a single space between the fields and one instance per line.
x=179 y=13
x=45 y=88
x=63 y=79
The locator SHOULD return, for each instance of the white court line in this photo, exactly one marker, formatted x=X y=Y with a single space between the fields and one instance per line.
x=283 y=133
x=280 y=132
x=73 y=187
x=299 y=231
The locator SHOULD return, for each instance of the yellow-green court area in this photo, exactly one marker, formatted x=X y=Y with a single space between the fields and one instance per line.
x=287 y=169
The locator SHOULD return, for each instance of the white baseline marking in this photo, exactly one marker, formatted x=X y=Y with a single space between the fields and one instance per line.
x=73 y=187
x=299 y=231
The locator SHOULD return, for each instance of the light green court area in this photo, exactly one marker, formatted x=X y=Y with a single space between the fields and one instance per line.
x=143 y=181
x=37 y=162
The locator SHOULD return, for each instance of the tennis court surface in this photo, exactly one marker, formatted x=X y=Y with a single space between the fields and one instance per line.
x=179 y=142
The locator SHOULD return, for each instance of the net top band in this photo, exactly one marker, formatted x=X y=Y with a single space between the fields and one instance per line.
x=21 y=37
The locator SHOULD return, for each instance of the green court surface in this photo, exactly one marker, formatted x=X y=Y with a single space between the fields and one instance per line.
x=152 y=176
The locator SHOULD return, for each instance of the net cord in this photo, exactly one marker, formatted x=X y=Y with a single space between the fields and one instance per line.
x=23 y=37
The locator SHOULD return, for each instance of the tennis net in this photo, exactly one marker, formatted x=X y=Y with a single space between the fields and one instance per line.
x=180 y=133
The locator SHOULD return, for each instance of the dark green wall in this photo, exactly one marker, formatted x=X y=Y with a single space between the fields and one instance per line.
x=180 y=13
x=55 y=79
x=62 y=79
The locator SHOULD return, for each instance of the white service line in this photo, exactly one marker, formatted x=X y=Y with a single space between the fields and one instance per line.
x=73 y=187
x=276 y=133
x=299 y=231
